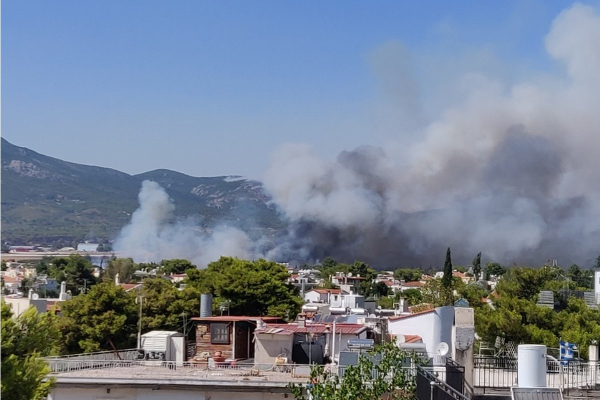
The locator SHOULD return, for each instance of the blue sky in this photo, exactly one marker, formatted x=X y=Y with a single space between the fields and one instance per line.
x=215 y=88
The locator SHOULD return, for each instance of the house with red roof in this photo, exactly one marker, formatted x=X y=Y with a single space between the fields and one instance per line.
x=321 y=295
x=412 y=285
x=433 y=325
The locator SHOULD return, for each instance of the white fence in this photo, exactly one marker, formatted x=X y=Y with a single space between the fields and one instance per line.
x=498 y=373
x=88 y=367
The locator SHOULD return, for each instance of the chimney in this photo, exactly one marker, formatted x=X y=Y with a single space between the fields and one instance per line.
x=117 y=281
x=30 y=296
x=302 y=320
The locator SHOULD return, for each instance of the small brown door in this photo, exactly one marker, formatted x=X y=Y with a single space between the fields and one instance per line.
x=241 y=341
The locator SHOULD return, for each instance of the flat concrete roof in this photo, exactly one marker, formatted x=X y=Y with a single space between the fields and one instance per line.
x=182 y=377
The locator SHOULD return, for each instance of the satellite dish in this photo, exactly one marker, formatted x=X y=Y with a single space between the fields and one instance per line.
x=35 y=296
x=442 y=348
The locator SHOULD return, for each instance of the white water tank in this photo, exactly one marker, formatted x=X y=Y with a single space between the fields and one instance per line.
x=531 y=367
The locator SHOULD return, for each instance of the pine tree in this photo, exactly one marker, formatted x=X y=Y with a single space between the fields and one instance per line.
x=447 y=278
x=477 y=266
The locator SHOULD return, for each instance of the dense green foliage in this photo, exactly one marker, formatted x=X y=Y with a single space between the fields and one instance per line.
x=125 y=267
x=167 y=308
x=392 y=381
x=25 y=339
x=175 y=266
x=103 y=319
x=248 y=287
x=413 y=296
x=75 y=270
x=494 y=269
x=408 y=274
x=516 y=317
x=330 y=267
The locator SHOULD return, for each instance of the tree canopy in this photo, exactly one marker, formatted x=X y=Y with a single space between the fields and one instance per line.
x=125 y=267
x=165 y=307
x=75 y=270
x=25 y=339
x=408 y=274
x=516 y=316
x=250 y=287
x=104 y=318
x=176 y=266
x=368 y=380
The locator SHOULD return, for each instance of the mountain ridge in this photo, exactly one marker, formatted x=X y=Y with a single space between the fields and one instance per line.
x=49 y=201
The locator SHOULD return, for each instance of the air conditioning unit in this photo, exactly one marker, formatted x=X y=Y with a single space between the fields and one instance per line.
x=361 y=344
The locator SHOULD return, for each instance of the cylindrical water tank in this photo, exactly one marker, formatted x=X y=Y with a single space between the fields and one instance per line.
x=205 y=305
x=531 y=365
x=593 y=353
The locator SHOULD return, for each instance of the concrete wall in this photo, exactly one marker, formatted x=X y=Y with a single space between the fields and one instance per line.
x=315 y=297
x=341 y=343
x=20 y=304
x=268 y=346
x=434 y=327
x=78 y=393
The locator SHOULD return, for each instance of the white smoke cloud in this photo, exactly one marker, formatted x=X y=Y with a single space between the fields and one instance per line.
x=154 y=234
x=511 y=171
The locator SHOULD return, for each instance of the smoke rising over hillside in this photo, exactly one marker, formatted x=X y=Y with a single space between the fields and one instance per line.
x=510 y=172
x=154 y=234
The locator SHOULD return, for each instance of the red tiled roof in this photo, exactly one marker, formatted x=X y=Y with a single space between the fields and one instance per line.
x=130 y=286
x=411 y=315
x=232 y=318
x=412 y=339
x=325 y=291
x=51 y=303
x=459 y=274
x=408 y=338
x=414 y=284
x=321 y=328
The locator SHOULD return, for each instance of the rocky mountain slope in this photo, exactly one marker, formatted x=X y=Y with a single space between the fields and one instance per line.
x=49 y=201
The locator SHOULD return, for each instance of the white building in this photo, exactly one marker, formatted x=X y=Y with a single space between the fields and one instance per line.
x=91 y=247
x=433 y=326
x=322 y=295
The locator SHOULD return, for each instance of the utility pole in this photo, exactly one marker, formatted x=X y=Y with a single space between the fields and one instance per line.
x=139 y=299
x=184 y=315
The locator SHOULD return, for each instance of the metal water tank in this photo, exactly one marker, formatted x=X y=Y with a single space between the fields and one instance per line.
x=205 y=305
x=531 y=365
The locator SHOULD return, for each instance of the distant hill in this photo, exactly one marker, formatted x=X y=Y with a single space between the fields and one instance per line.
x=53 y=202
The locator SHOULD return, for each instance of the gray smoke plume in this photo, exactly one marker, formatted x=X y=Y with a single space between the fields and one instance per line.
x=509 y=172
x=154 y=235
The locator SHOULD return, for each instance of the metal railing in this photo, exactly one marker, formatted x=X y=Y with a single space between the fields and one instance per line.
x=429 y=386
x=125 y=354
x=501 y=373
x=91 y=367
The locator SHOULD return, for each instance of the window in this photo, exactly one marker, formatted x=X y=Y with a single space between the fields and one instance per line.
x=219 y=333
